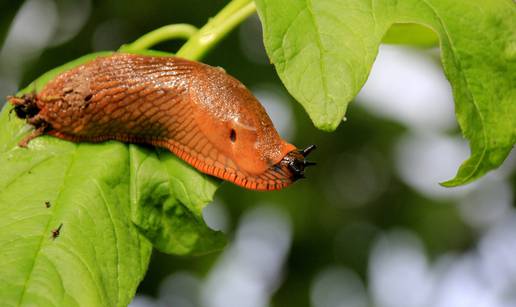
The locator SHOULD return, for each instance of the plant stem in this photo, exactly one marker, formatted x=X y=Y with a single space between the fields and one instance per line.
x=199 y=41
x=216 y=28
x=152 y=38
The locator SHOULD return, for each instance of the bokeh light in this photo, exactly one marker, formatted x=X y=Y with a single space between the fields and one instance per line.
x=338 y=287
x=398 y=271
x=407 y=86
x=425 y=159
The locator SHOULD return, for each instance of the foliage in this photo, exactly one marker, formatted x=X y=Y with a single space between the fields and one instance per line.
x=324 y=50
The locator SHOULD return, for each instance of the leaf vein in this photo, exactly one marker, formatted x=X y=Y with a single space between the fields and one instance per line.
x=47 y=230
x=309 y=7
x=103 y=196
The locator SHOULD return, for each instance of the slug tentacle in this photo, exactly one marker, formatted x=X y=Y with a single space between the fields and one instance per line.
x=198 y=112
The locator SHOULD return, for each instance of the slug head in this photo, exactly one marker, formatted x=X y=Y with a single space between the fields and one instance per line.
x=292 y=166
x=296 y=163
x=246 y=142
x=235 y=123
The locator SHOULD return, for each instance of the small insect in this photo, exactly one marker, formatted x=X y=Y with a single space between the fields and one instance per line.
x=198 y=112
x=47 y=204
x=55 y=232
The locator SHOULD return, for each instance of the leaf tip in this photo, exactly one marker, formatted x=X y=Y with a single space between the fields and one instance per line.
x=465 y=175
x=326 y=127
x=325 y=124
x=452 y=183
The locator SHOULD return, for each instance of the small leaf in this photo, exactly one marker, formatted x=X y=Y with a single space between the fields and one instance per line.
x=323 y=51
x=167 y=197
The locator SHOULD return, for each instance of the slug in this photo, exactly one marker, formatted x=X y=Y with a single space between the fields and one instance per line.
x=198 y=112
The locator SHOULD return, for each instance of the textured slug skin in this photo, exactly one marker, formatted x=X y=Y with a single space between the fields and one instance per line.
x=198 y=112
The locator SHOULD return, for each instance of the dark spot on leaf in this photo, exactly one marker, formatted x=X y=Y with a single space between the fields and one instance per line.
x=56 y=232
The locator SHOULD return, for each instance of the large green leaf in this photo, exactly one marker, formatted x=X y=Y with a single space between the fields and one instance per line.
x=115 y=201
x=99 y=257
x=323 y=51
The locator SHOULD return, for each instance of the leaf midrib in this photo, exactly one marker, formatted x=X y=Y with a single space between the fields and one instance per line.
x=115 y=233
x=48 y=229
x=309 y=6
x=41 y=241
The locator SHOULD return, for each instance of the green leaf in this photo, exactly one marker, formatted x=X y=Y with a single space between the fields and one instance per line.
x=115 y=201
x=168 y=196
x=99 y=256
x=323 y=51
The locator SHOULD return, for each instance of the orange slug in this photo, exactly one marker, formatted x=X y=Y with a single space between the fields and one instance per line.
x=198 y=112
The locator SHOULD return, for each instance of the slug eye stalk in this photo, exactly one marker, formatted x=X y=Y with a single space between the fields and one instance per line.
x=305 y=152
x=298 y=163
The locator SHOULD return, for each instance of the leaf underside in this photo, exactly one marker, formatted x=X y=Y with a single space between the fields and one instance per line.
x=323 y=51
x=114 y=201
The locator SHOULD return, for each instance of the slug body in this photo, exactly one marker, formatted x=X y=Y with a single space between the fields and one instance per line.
x=204 y=116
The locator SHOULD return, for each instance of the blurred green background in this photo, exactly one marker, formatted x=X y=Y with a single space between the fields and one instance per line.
x=369 y=227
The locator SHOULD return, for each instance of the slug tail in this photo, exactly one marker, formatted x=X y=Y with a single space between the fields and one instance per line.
x=27 y=108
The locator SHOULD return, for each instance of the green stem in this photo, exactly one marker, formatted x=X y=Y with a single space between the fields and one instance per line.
x=216 y=28
x=150 y=39
x=199 y=41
